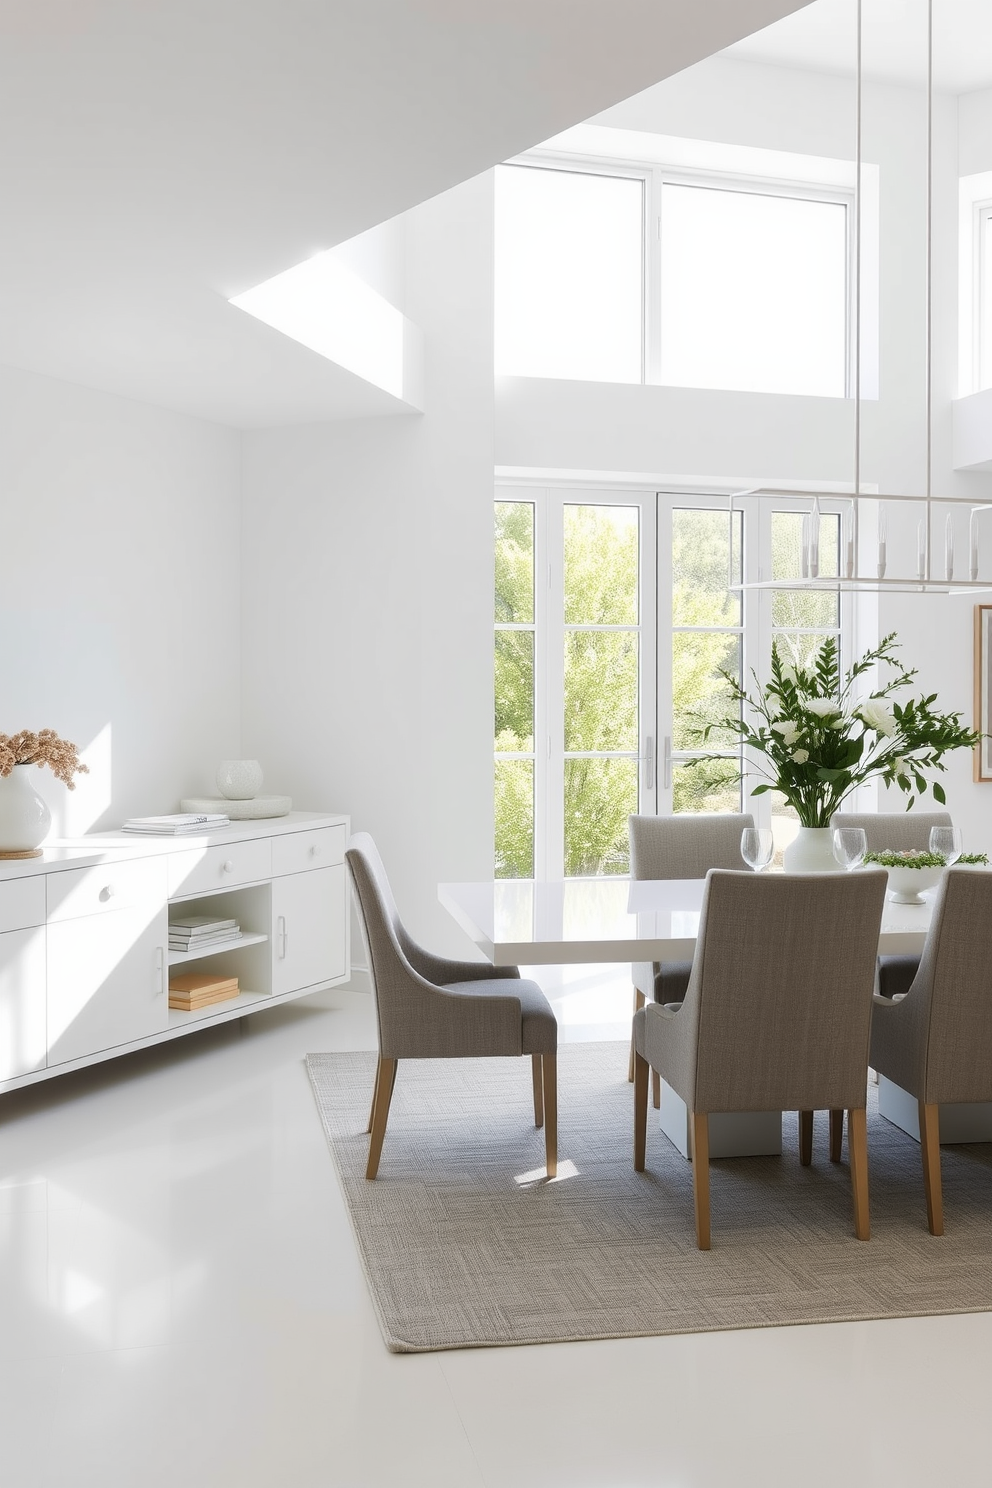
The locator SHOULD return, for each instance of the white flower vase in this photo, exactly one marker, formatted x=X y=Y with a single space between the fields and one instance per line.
x=811 y=851
x=25 y=820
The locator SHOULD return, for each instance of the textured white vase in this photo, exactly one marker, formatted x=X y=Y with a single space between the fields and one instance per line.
x=812 y=851
x=239 y=780
x=25 y=820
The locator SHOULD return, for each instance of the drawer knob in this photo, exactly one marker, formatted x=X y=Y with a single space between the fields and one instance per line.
x=107 y=892
x=315 y=851
x=228 y=866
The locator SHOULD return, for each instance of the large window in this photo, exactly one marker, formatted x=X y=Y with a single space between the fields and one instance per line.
x=642 y=275
x=618 y=619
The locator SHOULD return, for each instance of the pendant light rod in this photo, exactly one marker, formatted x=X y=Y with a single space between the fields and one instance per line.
x=928 y=341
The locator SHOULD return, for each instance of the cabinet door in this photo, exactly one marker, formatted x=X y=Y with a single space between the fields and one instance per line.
x=22 y=1002
x=309 y=924
x=107 y=978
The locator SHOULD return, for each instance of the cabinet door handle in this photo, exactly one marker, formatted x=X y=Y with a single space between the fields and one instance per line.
x=159 y=971
x=281 y=937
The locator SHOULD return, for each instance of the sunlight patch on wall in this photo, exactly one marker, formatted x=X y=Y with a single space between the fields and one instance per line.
x=324 y=305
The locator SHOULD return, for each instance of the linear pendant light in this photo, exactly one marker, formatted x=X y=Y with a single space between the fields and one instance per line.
x=881 y=581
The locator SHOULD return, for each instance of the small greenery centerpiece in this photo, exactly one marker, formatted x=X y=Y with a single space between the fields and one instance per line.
x=917 y=858
x=818 y=741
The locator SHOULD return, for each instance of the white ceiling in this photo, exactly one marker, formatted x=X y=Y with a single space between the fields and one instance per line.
x=158 y=156
x=822 y=38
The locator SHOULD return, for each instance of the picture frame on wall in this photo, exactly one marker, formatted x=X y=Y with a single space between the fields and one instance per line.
x=983 y=692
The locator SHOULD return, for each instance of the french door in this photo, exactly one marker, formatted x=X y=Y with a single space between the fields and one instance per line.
x=616 y=620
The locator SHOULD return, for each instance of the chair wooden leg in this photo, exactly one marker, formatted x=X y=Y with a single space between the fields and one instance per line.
x=385 y=1080
x=805 y=1138
x=930 y=1149
x=638 y=1003
x=549 y=1071
x=836 y=1134
x=535 y=1062
x=656 y=1089
x=640 y=1112
x=375 y=1096
x=857 y=1146
x=701 y=1177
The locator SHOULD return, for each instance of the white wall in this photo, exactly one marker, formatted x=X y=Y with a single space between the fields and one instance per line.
x=119 y=593
x=368 y=554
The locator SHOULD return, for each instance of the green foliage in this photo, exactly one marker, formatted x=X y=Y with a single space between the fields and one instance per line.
x=819 y=743
x=514 y=563
x=917 y=858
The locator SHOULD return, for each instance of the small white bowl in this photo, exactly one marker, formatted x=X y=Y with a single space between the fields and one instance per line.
x=908 y=885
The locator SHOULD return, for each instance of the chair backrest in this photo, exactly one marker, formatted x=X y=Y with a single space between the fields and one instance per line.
x=949 y=1004
x=898 y=831
x=418 y=1019
x=780 y=994
x=686 y=845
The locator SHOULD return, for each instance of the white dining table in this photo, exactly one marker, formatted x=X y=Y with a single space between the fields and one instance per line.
x=579 y=920
x=516 y=921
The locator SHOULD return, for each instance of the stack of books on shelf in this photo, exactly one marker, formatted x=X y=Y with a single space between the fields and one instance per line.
x=196 y=989
x=178 y=823
x=197 y=932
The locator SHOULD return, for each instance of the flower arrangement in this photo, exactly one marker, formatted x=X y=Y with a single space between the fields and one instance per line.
x=819 y=741
x=918 y=858
x=44 y=748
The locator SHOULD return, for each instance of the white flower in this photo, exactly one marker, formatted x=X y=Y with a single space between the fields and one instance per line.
x=788 y=672
x=801 y=756
x=821 y=707
x=878 y=717
x=789 y=731
x=899 y=765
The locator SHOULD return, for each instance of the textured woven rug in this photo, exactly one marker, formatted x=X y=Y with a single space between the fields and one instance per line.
x=466 y=1245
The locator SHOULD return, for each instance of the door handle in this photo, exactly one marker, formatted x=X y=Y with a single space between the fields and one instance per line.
x=649 y=763
x=667 y=764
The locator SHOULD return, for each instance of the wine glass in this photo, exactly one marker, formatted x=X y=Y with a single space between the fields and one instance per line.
x=850 y=845
x=946 y=840
x=757 y=846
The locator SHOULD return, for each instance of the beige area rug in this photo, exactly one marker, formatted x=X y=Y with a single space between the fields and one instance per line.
x=466 y=1245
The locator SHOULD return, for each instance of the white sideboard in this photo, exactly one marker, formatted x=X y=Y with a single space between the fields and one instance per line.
x=84 y=958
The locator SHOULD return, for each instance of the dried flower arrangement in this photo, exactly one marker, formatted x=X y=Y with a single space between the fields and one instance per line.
x=44 y=748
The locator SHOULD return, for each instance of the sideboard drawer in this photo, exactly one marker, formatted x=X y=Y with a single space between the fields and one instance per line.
x=106 y=889
x=214 y=868
x=22 y=903
x=298 y=851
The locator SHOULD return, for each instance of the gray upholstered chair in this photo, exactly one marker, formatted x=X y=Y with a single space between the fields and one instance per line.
x=431 y=1008
x=686 y=845
x=936 y=1041
x=894 y=831
x=776 y=1015
x=897 y=831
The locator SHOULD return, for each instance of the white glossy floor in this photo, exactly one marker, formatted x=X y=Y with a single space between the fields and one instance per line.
x=181 y=1304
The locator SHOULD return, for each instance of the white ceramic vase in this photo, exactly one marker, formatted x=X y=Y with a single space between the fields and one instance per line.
x=811 y=851
x=239 y=780
x=25 y=820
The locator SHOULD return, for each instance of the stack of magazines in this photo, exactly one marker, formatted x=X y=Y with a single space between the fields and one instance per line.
x=178 y=823
x=200 y=932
